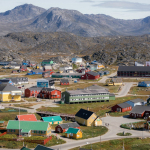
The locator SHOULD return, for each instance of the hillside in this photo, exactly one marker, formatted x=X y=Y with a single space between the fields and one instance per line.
x=108 y=50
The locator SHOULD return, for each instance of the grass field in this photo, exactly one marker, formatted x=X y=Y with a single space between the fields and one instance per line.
x=140 y=90
x=135 y=79
x=100 y=108
x=129 y=144
x=25 y=105
x=16 y=144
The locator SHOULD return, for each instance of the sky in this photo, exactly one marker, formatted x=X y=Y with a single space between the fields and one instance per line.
x=121 y=9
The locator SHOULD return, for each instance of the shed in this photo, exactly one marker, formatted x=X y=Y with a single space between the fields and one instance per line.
x=144 y=84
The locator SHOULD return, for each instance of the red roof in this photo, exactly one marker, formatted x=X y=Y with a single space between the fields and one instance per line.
x=28 y=117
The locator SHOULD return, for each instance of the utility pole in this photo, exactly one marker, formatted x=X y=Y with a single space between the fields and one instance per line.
x=100 y=142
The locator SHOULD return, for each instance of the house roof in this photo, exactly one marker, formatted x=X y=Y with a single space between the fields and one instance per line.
x=95 y=87
x=52 y=119
x=85 y=114
x=28 y=117
x=24 y=148
x=18 y=79
x=4 y=80
x=72 y=130
x=41 y=147
x=111 y=94
x=47 y=89
x=69 y=125
x=8 y=87
x=134 y=68
x=137 y=100
x=79 y=92
x=116 y=80
x=64 y=80
x=26 y=126
x=139 y=109
x=92 y=73
x=35 y=88
x=124 y=105
x=147 y=82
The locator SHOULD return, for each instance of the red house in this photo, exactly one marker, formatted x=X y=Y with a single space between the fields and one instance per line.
x=23 y=68
x=64 y=82
x=123 y=107
x=32 y=91
x=28 y=117
x=47 y=74
x=90 y=76
x=140 y=111
x=50 y=93
x=83 y=70
x=61 y=128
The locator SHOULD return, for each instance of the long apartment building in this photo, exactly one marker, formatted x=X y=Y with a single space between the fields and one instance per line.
x=81 y=96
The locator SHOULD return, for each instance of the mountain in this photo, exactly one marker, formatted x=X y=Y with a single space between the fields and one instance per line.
x=32 y=18
x=21 y=13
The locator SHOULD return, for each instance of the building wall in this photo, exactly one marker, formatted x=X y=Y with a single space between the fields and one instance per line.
x=97 y=122
x=61 y=83
x=133 y=74
x=74 y=136
x=114 y=108
x=89 y=77
x=56 y=122
x=9 y=97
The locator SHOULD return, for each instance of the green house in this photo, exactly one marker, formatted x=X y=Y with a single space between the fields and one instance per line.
x=47 y=62
x=28 y=128
x=41 y=147
x=86 y=95
x=53 y=119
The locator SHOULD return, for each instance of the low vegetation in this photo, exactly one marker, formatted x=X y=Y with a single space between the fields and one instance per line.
x=124 y=134
x=129 y=144
x=140 y=90
x=100 y=108
x=17 y=144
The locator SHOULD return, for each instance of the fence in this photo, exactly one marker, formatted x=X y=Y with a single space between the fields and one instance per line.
x=43 y=142
x=3 y=133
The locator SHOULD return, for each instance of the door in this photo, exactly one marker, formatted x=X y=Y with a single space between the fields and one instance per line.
x=95 y=123
x=68 y=135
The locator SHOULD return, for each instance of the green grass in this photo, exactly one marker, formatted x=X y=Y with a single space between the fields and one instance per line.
x=118 y=114
x=124 y=134
x=140 y=90
x=129 y=144
x=16 y=144
x=100 y=108
x=89 y=132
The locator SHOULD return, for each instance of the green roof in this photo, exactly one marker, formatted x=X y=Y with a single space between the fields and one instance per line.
x=2 y=121
x=72 y=130
x=24 y=148
x=52 y=119
x=26 y=126
x=41 y=147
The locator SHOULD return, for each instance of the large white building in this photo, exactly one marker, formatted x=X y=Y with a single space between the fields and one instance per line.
x=76 y=60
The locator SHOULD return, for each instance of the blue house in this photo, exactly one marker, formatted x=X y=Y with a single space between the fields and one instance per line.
x=144 y=84
x=43 y=83
x=36 y=71
x=135 y=102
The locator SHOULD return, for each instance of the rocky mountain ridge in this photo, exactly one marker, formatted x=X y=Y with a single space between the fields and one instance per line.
x=32 y=18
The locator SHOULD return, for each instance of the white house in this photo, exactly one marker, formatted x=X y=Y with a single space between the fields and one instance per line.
x=135 y=102
x=76 y=60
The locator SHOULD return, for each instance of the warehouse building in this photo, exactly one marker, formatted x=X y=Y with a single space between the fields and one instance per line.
x=133 y=71
x=81 y=96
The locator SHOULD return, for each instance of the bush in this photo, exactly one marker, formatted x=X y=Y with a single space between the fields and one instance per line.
x=124 y=134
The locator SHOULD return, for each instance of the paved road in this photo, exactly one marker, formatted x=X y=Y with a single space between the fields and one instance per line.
x=104 y=78
x=125 y=89
x=114 y=128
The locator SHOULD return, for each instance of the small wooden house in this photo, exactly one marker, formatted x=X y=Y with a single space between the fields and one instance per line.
x=115 y=81
x=87 y=118
x=64 y=82
x=53 y=119
x=90 y=75
x=29 y=128
x=61 y=128
x=122 y=107
x=73 y=133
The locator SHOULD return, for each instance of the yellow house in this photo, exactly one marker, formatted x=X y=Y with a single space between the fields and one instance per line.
x=115 y=81
x=87 y=118
x=73 y=133
x=98 y=65
x=9 y=92
x=29 y=128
